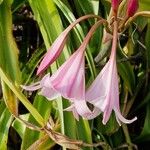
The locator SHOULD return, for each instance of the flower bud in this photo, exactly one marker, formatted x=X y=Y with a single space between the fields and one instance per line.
x=132 y=7
x=115 y=4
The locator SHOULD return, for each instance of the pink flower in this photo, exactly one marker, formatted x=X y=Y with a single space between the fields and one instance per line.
x=58 y=45
x=132 y=7
x=69 y=81
x=104 y=91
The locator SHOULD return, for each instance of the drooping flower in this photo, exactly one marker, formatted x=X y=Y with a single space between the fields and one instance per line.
x=69 y=81
x=104 y=91
x=58 y=45
x=132 y=7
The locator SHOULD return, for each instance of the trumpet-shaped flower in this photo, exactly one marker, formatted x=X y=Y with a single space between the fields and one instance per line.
x=69 y=81
x=104 y=91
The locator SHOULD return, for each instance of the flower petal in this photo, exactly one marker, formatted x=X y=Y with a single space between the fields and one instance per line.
x=113 y=96
x=33 y=87
x=53 y=52
x=69 y=79
x=73 y=110
x=122 y=119
x=80 y=108
x=47 y=89
x=98 y=91
x=49 y=93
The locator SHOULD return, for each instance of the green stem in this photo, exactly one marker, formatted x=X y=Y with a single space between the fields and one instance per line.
x=130 y=20
x=22 y=98
x=127 y=136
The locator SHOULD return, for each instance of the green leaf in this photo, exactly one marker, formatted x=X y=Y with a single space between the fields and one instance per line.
x=43 y=106
x=19 y=126
x=84 y=132
x=8 y=55
x=144 y=5
x=5 y=122
x=22 y=98
x=145 y=134
x=147 y=42
x=108 y=129
x=17 y=4
x=30 y=66
x=2 y=106
x=126 y=73
x=125 y=70
x=1 y=1
x=43 y=142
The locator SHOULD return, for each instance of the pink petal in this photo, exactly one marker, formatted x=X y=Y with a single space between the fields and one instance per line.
x=73 y=110
x=49 y=93
x=119 y=118
x=47 y=89
x=95 y=112
x=104 y=93
x=98 y=91
x=113 y=94
x=80 y=107
x=69 y=80
x=32 y=87
x=53 y=52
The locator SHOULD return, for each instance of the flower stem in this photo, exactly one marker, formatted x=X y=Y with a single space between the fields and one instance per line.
x=127 y=136
x=128 y=21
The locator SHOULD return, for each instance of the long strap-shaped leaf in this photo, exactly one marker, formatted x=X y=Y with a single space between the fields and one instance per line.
x=9 y=63
x=8 y=54
x=22 y=98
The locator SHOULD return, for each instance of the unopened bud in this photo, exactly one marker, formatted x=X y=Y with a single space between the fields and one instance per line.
x=115 y=4
x=132 y=7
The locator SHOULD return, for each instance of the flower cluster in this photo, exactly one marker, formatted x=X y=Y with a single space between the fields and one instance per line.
x=69 y=80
